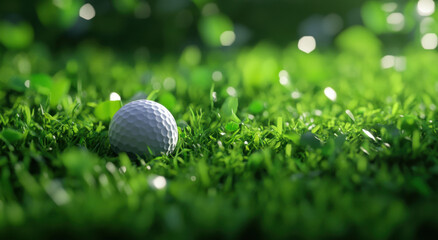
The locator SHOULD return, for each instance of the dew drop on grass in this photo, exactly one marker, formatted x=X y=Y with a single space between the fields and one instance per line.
x=214 y=96
x=364 y=150
x=369 y=134
x=350 y=114
x=115 y=97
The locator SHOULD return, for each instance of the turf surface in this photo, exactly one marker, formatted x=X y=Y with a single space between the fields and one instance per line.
x=273 y=143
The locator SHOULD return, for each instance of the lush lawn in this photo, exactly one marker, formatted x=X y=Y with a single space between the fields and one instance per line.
x=332 y=146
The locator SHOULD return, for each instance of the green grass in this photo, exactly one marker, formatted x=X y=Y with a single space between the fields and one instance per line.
x=257 y=164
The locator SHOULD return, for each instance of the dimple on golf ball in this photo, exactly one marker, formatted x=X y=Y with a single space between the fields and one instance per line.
x=143 y=127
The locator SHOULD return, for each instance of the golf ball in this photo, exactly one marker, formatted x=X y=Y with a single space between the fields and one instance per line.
x=143 y=127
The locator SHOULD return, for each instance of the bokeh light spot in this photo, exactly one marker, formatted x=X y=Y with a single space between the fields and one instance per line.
x=426 y=24
x=284 y=77
x=387 y=61
x=295 y=94
x=169 y=84
x=307 y=44
x=210 y=9
x=217 y=76
x=389 y=7
x=429 y=41
x=396 y=21
x=87 y=11
x=425 y=7
x=400 y=63
x=143 y=10
x=227 y=38
x=159 y=182
x=330 y=93
x=232 y=91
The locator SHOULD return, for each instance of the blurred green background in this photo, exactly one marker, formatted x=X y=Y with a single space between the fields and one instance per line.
x=167 y=26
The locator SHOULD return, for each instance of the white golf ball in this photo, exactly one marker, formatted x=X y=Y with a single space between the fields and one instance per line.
x=143 y=127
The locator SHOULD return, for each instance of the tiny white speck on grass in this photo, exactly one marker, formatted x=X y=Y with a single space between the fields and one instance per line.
x=364 y=150
x=350 y=114
x=330 y=93
x=318 y=112
x=369 y=134
x=246 y=142
x=122 y=169
x=148 y=167
x=27 y=83
x=193 y=178
x=214 y=96
x=115 y=97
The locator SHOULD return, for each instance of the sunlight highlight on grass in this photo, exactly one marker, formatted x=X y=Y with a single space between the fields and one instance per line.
x=330 y=93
